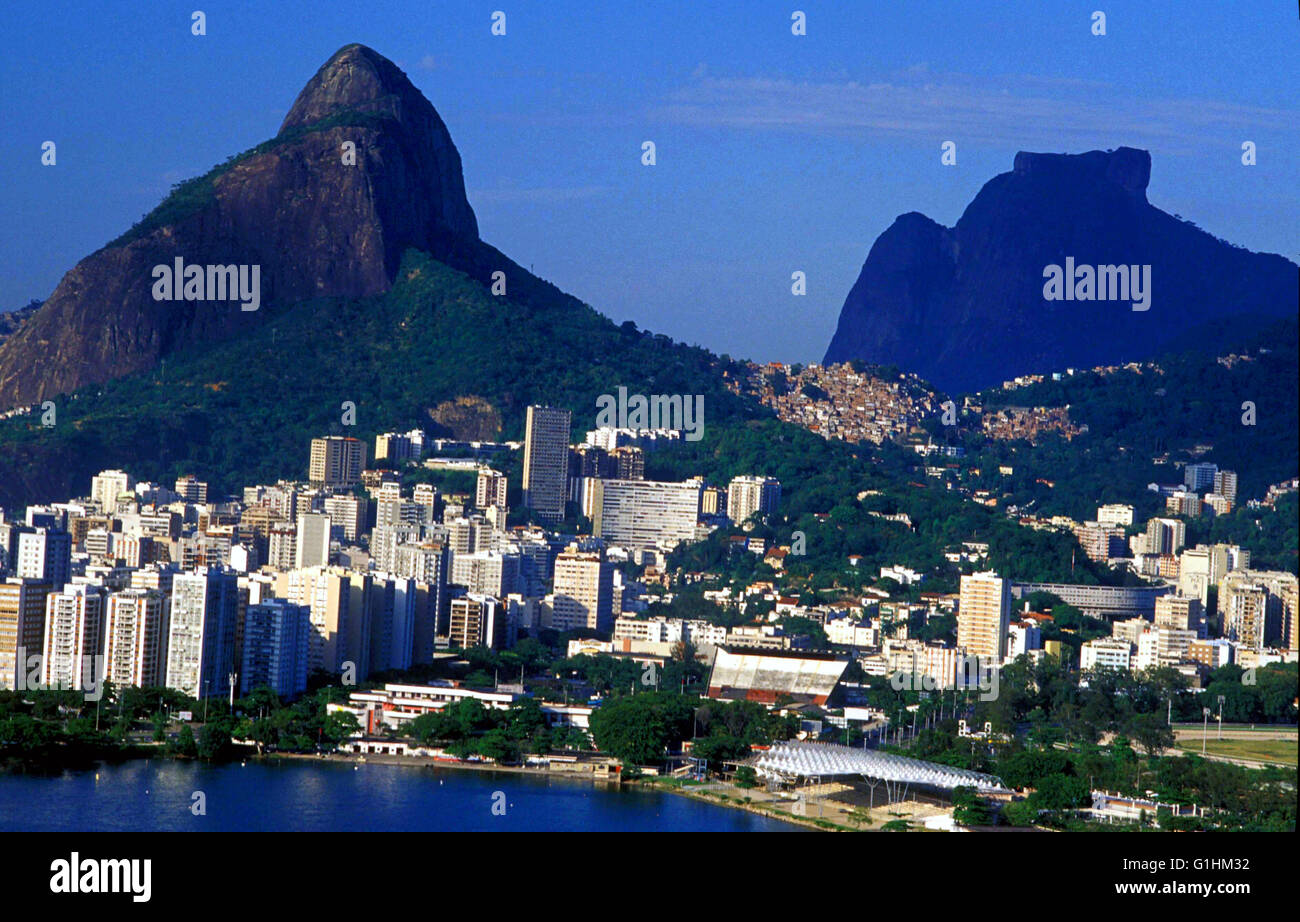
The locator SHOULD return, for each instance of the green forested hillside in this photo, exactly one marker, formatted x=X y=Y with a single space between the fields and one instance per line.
x=244 y=410
x=1136 y=417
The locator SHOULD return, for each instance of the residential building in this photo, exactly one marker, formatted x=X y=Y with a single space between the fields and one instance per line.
x=645 y=513
x=584 y=591
x=546 y=461
x=135 y=637
x=46 y=555
x=201 y=632
x=312 y=546
x=74 y=633
x=336 y=461
x=275 y=648
x=22 y=628
x=983 y=616
x=748 y=495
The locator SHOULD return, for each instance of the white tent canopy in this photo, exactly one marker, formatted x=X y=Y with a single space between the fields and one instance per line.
x=790 y=760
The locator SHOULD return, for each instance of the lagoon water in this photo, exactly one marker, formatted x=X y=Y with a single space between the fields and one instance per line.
x=291 y=795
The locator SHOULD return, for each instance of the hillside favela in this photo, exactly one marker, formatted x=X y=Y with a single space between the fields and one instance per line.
x=319 y=512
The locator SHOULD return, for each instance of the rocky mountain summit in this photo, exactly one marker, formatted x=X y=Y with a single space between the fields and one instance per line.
x=966 y=308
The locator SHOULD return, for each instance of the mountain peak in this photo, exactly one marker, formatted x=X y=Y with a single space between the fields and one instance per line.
x=965 y=307
x=354 y=79
x=362 y=170
x=1127 y=167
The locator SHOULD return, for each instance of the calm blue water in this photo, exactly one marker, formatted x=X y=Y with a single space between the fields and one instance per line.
x=310 y=796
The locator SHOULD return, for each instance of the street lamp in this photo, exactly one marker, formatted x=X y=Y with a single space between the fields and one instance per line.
x=1220 y=716
x=1205 y=727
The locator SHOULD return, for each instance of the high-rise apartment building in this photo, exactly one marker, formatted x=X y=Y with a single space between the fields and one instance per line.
x=393 y=448
x=983 y=615
x=749 y=495
x=1204 y=566
x=191 y=490
x=425 y=495
x=347 y=513
x=1180 y=613
x=478 y=621
x=1165 y=536
x=74 y=632
x=46 y=555
x=326 y=591
x=1115 y=514
x=1225 y=484
x=490 y=490
x=1198 y=476
x=336 y=461
x=487 y=573
x=201 y=632
x=106 y=486
x=1100 y=542
x=546 y=461
x=1243 y=610
x=1258 y=608
x=628 y=463
x=22 y=629
x=583 y=591
x=312 y=546
x=645 y=513
x=135 y=637
x=275 y=649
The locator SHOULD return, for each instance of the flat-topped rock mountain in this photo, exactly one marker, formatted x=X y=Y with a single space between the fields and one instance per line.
x=965 y=307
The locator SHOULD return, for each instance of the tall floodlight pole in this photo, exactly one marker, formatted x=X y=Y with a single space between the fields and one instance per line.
x=1205 y=727
x=1220 y=717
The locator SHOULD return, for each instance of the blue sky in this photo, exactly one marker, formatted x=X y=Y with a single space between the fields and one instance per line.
x=776 y=153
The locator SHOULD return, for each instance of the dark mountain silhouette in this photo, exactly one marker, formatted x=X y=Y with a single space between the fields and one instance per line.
x=964 y=306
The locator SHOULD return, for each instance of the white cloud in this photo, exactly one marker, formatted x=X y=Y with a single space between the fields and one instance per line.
x=1015 y=110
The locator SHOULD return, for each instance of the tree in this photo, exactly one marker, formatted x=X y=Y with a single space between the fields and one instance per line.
x=639 y=728
x=184 y=744
x=1151 y=733
x=214 y=741
x=968 y=809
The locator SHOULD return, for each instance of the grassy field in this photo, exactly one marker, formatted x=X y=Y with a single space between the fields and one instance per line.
x=1282 y=751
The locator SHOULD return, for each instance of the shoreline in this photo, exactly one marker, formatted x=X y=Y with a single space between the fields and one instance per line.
x=646 y=783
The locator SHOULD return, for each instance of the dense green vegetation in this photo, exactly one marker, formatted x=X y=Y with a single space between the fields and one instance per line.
x=1063 y=739
x=244 y=411
x=1134 y=417
x=467 y=728
x=62 y=728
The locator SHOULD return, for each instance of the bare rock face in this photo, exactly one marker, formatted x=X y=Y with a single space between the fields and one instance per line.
x=965 y=307
x=316 y=225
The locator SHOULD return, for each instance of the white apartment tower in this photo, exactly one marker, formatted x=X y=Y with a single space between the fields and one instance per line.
x=983 y=616
x=201 y=632
x=747 y=495
x=135 y=637
x=73 y=637
x=584 y=591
